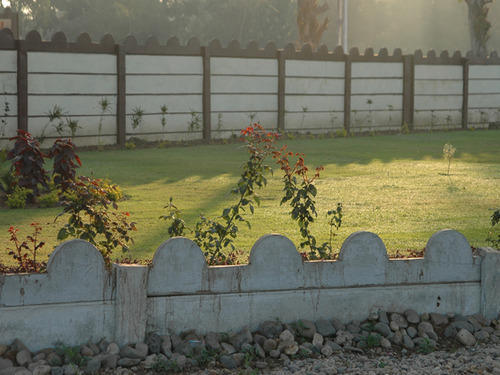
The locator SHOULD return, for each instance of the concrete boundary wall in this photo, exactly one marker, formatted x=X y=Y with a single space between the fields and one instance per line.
x=214 y=91
x=79 y=300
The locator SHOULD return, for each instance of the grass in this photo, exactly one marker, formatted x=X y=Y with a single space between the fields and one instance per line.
x=393 y=185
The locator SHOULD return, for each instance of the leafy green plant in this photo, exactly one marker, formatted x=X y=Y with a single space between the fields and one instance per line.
x=495 y=219
x=94 y=217
x=163 y=366
x=71 y=354
x=405 y=128
x=27 y=163
x=341 y=133
x=215 y=235
x=425 y=346
x=72 y=126
x=371 y=341
x=137 y=117
x=56 y=113
x=104 y=107
x=334 y=222
x=448 y=154
x=220 y=123
x=195 y=122
x=370 y=117
x=5 y=115
x=130 y=145
x=18 y=197
x=49 y=199
x=178 y=226
x=25 y=252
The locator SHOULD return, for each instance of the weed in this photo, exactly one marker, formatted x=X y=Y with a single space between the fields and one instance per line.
x=71 y=354
x=333 y=117
x=371 y=341
x=178 y=226
x=130 y=145
x=425 y=346
x=104 y=107
x=195 y=122
x=405 y=128
x=390 y=107
x=219 y=122
x=55 y=113
x=433 y=119
x=163 y=366
x=495 y=219
x=164 y=112
x=137 y=117
x=370 y=117
x=448 y=153
x=5 y=115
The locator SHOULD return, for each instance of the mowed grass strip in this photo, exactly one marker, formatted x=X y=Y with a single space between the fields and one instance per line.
x=393 y=185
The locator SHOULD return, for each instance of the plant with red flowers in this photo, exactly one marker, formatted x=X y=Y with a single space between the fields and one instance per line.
x=91 y=217
x=27 y=163
x=65 y=163
x=215 y=235
x=25 y=252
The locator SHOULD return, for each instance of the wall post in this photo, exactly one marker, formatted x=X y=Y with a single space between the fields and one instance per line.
x=408 y=90
x=347 y=94
x=121 y=99
x=465 y=96
x=207 y=110
x=281 y=91
x=490 y=280
x=22 y=86
x=131 y=303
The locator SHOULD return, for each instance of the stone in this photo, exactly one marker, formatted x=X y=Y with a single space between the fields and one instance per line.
x=291 y=350
x=450 y=331
x=17 y=345
x=227 y=348
x=70 y=369
x=57 y=370
x=39 y=357
x=110 y=361
x=23 y=357
x=103 y=345
x=482 y=335
x=353 y=328
x=32 y=365
x=95 y=348
x=286 y=339
x=325 y=328
x=212 y=341
x=337 y=324
x=412 y=332
x=5 y=363
x=408 y=343
x=176 y=341
x=412 y=316
x=327 y=350
x=399 y=319
x=150 y=361
x=438 y=319
x=335 y=347
x=306 y=328
x=239 y=358
x=129 y=352
x=179 y=359
x=154 y=343
x=128 y=362
x=246 y=348
x=259 y=339
x=465 y=337
x=477 y=326
x=93 y=365
x=85 y=351
x=113 y=349
x=463 y=324
x=397 y=338
x=274 y=353
x=382 y=317
x=142 y=349
x=269 y=344
x=166 y=344
x=3 y=349
x=54 y=360
x=344 y=338
x=394 y=326
x=384 y=343
x=22 y=371
x=305 y=350
x=242 y=337
x=425 y=327
x=228 y=362
x=482 y=320
x=421 y=342
x=270 y=328
x=317 y=341
x=382 y=328
x=259 y=351
x=260 y=365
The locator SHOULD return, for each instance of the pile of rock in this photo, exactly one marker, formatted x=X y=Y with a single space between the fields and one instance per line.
x=272 y=344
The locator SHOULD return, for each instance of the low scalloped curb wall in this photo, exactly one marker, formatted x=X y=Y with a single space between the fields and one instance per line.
x=78 y=301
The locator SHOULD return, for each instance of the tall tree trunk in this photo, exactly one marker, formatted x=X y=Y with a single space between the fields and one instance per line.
x=479 y=25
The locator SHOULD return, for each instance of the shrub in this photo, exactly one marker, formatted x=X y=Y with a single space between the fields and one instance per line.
x=49 y=199
x=114 y=192
x=27 y=162
x=492 y=240
x=65 y=163
x=18 y=197
x=94 y=217
x=25 y=252
x=130 y=145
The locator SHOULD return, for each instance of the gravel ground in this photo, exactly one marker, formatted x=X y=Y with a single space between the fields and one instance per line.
x=480 y=359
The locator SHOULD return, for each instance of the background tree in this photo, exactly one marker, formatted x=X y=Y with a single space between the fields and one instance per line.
x=309 y=28
x=479 y=26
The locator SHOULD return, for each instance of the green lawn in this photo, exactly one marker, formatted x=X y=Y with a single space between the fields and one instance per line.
x=392 y=185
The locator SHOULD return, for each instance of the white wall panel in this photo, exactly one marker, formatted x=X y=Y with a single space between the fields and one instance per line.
x=438 y=87
x=438 y=72
x=71 y=105
x=55 y=62
x=8 y=83
x=9 y=130
x=438 y=102
x=144 y=64
x=374 y=86
x=314 y=103
x=88 y=126
x=377 y=119
x=484 y=87
x=326 y=121
x=305 y=68
x=8 y=61
x=378 y=102
x=231 y=65
x=152 y=123
x=250 y=103
x=225 y=84
x=314 y=86
x=484 y=71
x=438 y=119
x=240 y=120
x=164 y=84
x=374 y=69
x=12 y=101
x=174 y=103
x=492 y=100
x=71 y=84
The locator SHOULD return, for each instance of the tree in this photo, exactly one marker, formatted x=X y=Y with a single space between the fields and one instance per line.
x=310 y=29
x=479 y=26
